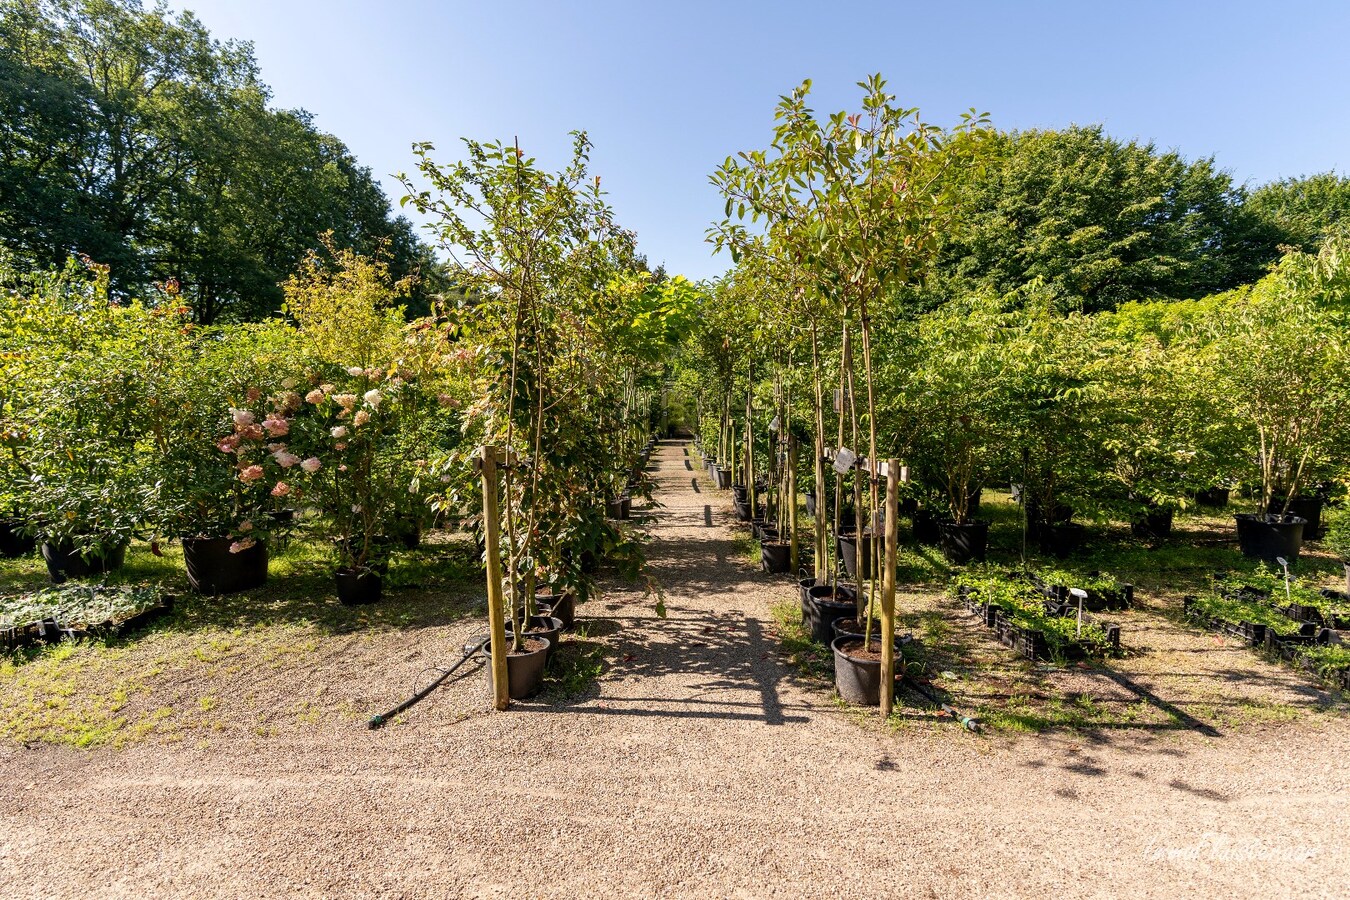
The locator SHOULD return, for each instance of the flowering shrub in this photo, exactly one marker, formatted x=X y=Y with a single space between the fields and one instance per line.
x=223 y=415
x=344 y=447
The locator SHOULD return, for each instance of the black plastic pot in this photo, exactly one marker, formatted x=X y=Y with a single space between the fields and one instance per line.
x=357 y=587
x=850 y=548
x=776 y=557
x=13 y=544
x=563 y=606
x=213 y=569
x=804 y=586
x=826 y=606
x=926 y=529
x=1268 y=537
x=547 y=628
x=1154 y=524
x=63 y=561
x=524 y=670
x=1310 y=509
x=619 y=509
x=964 y=542
x=858 y=681
x=1062 y=539
x=1215 y=496
x=723 y=478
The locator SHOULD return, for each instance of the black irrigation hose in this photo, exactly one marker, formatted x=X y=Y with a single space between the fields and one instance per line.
x=470 y=650
x=969 y=722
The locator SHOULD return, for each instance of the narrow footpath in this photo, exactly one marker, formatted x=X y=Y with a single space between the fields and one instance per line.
x=698 y=766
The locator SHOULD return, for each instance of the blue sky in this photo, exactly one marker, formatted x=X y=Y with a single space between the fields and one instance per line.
x=668 y=89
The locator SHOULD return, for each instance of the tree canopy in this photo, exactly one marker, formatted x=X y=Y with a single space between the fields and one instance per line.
x=132 y=136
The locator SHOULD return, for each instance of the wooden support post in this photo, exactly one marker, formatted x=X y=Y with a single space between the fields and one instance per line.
x=888 y=588
x=487 y=464
x=792 y=501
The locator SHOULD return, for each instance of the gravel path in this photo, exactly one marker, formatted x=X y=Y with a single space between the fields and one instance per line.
x=699 y=767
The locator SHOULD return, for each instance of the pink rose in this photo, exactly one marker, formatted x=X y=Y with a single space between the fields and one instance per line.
x=276 y=427
x=311 y=465
x=250 y=474
x=281 y=489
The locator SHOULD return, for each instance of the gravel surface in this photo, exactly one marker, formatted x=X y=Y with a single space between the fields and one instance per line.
x=699 y=766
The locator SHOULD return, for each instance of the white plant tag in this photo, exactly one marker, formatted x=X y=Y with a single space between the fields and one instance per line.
x=844 y=460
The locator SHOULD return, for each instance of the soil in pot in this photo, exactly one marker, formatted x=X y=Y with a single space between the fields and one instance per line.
x=857 y=670
x=1268 y=537
x=964 y=542
x=63 y=561
x=357 y=587
x=524 y=670
x=776 y=557
x=547 y=628
x=212 y=569
x=13 y=544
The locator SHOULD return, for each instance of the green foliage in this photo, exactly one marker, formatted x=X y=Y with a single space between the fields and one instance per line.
x=1304 y=211
x=1025 y=607
x=1101 y=222
x=72 y=604
x=132 y=136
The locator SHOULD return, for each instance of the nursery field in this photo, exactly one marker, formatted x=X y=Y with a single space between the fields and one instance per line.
x=689 y=754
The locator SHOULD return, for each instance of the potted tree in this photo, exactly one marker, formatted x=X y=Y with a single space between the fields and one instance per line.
x=74 y=415
x=1276 y=355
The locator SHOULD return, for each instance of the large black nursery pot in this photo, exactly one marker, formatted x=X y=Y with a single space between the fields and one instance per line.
x=64 y=561
x=213 y=569
x=857 y=670
x=524 y=670
x=804 y=586
x=776 y=557
x=546 y=628
x=12 y=543
x=1214 y=496
x=619 y=509
x=926 y=529
x=1062 y=539
x=1267 y=537
x=357 y=587
x=1156 y=523
x=964 y=542
x=1309 y=508
x=561 y=606
x=829 y=604
x=851 y=549
x=723 y=478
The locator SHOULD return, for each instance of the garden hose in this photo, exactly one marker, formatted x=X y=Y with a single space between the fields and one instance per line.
x=471 y=649
x=970 y=723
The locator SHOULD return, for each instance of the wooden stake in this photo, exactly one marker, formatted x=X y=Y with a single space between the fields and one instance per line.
x=888 y=589
x=487 y=463
x=792 y=501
